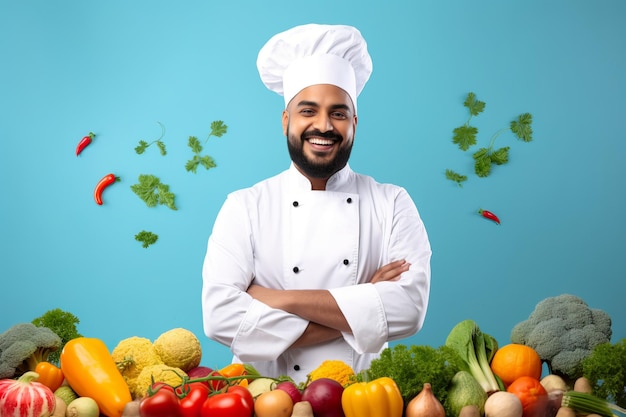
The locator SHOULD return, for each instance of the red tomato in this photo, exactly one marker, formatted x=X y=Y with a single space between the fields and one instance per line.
x=195 y=394
x=228 y=404
x=244 y=392
x=162 y=402
x=531 y=393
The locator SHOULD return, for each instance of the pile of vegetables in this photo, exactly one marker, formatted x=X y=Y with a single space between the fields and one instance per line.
x=470 y=375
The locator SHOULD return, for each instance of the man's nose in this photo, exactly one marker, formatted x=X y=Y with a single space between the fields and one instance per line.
x=323 y=123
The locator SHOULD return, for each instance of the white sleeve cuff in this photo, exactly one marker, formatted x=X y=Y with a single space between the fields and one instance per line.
x=363 y=309
x=265 y=333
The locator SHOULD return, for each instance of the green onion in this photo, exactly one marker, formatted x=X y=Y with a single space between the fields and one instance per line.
x=589 y=404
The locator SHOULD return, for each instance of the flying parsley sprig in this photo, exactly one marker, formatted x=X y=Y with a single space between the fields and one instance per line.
x=146 y=238
x=143 y=145
x=153 y=192
x=218 y=129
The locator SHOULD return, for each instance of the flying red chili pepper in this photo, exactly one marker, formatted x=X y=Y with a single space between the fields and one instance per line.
x=489 y=215
x=102 y=184
x=84 y=142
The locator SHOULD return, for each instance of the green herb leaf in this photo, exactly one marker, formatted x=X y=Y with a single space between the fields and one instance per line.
x=207 y=162
x=218 y=128
x=153 y=192
x=166 y=197
x=161 y=146
x=456 y=177
x=194 y=144
x=482 y=165
x=475 y=106
x=147 y=238
x=141 y=148
x=465 y=136
x=500 y=156
x=522 y=127
x=192 y=164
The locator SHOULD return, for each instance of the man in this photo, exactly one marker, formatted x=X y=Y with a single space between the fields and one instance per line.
x=318 y=262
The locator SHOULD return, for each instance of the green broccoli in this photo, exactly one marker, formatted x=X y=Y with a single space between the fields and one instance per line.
x=23 y=346
x=563 y=330
x=605 y=369
x=63 y=324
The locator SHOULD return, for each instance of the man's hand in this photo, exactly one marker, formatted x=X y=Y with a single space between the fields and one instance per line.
x=390 y=272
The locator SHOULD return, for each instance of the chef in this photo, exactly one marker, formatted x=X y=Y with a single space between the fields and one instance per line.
x=318 y=262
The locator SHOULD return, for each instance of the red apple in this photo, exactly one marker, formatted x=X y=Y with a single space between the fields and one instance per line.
x=324 y=394
x=291 y=389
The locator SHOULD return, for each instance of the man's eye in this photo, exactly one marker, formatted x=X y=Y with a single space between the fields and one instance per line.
x=338 y=115
x=307 y=112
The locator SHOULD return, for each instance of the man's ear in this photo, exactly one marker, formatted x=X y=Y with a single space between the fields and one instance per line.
x=285 y=122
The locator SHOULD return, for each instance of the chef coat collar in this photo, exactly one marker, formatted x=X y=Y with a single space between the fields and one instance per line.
x=334 y=183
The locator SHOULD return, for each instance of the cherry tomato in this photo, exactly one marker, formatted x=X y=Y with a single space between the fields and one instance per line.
x=162 y=401
x=194 y=396
x=228 y=404
x=275 y=403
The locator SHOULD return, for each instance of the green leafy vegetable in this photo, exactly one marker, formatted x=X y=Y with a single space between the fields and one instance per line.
x=143 y=145
x=412 y=366
x=476 y=349
x=146 y=238
x=63 y=324
x=218 y=129
x=153 y=192
x=605 y=369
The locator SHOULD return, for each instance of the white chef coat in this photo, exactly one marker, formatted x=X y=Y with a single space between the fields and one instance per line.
x=281 y=234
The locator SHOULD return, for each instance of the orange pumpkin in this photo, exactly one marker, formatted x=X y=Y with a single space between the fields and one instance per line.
x=532 y=394
x=515 y=360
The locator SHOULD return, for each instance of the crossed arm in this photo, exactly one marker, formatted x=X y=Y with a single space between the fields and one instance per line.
x=326 y=321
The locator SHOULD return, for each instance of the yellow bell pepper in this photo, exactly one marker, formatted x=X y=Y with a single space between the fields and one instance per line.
x=378 y=398
x=91 y=371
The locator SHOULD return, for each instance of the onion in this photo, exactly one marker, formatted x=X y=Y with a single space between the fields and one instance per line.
x=425 y=404
x=83 y=407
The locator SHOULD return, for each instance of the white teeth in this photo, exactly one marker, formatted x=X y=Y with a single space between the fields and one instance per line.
x=320 y=141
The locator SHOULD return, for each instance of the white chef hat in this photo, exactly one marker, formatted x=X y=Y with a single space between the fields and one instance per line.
x=315 y=54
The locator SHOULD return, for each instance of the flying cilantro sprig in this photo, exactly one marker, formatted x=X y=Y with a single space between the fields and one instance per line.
x=485 y=158
x=146 y=238
x=153 y=192
x=143 y=145
x=456 y=177
x=465 y=137
x=218 y=129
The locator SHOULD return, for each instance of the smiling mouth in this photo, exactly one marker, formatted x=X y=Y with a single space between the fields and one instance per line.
x=321 y=141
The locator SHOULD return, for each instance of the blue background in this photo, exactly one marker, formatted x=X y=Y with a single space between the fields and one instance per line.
x=118 y=68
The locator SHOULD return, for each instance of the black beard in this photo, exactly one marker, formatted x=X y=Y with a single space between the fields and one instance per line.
x=314 y=169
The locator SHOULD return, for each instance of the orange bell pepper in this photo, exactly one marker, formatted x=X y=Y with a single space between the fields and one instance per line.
x=49 y=375
x=233 y=371
x=91 y=372
x=378 y=398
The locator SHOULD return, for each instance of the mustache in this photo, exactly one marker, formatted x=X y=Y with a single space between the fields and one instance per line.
x=326 y=135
